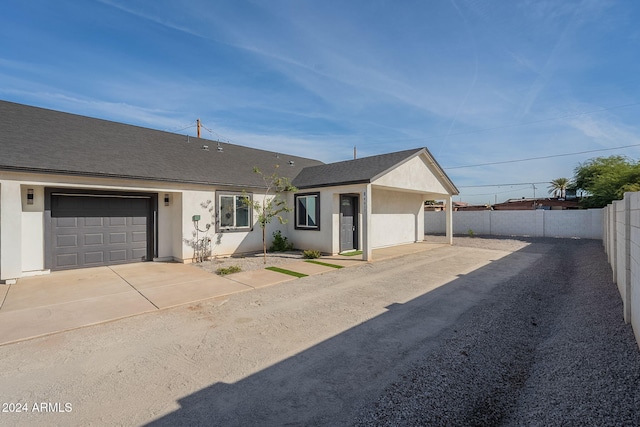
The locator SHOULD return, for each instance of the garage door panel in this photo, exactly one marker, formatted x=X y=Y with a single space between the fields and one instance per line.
x=67 y=241
x=138 y=236
x=117 y=222
x=93 y=239
x=118 y=255
x=139 y=254
x=115 y=238
x=93 y=258
x=67 y=260
x=82 y=238
x=93 y=222
x=66 y=222
x=139 y=220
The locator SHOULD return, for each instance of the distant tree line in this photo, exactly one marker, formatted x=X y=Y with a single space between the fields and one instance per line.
x=600 y=180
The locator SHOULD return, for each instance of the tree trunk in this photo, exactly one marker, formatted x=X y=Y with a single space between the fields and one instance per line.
x=264 y=244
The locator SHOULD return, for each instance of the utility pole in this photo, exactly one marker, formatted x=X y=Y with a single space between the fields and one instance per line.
x=534 y=196
x=198 y=123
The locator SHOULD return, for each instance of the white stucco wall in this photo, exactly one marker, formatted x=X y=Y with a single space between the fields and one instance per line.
x=10 y=230
x=223 y=243
x=32 y=229
x=32 y=241
x=327 y=240
x=169 y=218
x=417 y=175
x=22 y=226
x=319 y=240
x=397 y=218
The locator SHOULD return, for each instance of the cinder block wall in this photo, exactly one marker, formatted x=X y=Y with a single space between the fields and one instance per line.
x=586 y=224
x=621 y=241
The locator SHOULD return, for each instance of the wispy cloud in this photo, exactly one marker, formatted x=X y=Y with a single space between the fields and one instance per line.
x=151 y=17
x=473 y=81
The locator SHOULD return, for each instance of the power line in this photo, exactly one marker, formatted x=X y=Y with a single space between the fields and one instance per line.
x=182 y=128
x=542 y=157
x=495 y=193
x=568 y=116
x=502 y=185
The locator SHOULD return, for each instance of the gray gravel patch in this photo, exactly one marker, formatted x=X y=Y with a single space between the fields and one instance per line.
x=251 y=261
x=548 y=348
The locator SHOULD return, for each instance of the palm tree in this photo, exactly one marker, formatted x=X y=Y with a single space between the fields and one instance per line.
x=558 y=187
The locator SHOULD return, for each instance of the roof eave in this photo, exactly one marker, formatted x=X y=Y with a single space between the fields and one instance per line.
x=336 y=184
x=121 y=176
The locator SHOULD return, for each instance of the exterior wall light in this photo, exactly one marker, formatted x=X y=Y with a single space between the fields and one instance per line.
x=29 y=196
x=167 y=200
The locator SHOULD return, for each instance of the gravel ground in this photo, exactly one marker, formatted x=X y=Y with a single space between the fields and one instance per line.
x=549 y=348
x=511 y=332
x=250 y=262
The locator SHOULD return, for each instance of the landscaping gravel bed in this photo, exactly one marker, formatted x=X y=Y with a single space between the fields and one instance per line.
x=250 y=262
x=548 y=348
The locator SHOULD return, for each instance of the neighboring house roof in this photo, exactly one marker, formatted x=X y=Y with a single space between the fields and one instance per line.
x=529 y=204
x=34 y=139
x=364 y=170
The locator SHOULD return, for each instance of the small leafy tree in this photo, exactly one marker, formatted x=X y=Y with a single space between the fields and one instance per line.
x=273 y=204
x=605 y=179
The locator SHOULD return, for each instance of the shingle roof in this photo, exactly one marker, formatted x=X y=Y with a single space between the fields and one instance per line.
x=39 y=140
x=357 y=171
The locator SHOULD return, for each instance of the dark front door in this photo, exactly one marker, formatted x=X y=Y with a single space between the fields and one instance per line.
x=90 y=230
x=348 y=222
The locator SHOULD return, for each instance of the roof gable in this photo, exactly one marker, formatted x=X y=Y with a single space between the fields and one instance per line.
x=39 y=140
x=351 y=171
x=416 y=174
x=413 y=170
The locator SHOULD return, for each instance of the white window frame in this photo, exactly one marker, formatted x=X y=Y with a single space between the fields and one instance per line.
x=237 y=199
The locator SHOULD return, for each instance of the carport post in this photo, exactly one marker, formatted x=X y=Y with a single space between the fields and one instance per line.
x=367 y=252
x=449 y=220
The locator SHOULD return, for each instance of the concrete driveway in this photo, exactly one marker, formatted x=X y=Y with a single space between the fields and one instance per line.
x=65 y=300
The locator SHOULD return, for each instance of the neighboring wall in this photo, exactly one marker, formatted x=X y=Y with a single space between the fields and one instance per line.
x=621 y=230
x=586 y=224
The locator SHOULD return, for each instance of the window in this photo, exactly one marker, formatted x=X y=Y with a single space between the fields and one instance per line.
x=233 y=212
x=308 y=211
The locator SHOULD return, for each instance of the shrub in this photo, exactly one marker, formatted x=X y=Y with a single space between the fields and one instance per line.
x=280 y=243
x=311 y=254
x=471 y=233
x=223 y=271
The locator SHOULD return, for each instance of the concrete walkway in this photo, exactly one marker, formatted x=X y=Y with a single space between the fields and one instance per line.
x=65 y=300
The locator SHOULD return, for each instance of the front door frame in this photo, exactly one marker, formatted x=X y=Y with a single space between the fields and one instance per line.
x=355 y=204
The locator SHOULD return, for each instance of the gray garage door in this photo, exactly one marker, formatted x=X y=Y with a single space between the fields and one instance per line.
x=91 y=230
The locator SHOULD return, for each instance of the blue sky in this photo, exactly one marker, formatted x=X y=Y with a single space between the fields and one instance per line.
x=475 y=82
